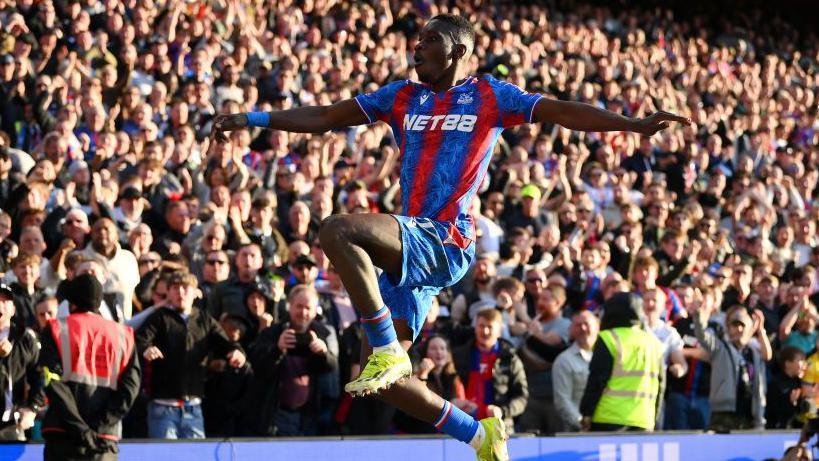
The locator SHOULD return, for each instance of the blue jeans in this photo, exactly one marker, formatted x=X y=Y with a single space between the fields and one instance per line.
x=683 y=412
x=167 y=422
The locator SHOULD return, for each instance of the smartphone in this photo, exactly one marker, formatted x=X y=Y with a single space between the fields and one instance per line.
x=303 y=340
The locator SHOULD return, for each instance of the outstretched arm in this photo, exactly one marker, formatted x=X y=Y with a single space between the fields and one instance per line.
x=585 y=117
x=315 y=119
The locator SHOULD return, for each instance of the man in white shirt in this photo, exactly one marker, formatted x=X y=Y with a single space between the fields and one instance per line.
x=571 y=370
x=121 y=264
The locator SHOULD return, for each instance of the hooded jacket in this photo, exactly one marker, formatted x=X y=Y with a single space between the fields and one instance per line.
x=621 y=310
x=725 y=370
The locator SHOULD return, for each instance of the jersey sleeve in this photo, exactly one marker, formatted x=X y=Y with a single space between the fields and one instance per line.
x=378 y=104
x=515 y=105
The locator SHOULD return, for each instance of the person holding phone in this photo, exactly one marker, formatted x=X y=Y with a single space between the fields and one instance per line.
x=288 y=360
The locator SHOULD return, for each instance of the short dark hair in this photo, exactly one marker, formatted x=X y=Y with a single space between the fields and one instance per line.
x=461 y=29
x=789 y=354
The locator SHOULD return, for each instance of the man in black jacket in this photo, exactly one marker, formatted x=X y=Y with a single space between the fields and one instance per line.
x=289 y=359
x=19 y=352
x=177 y=340
x=229 y=296
x=86 y=401
x=488 y=358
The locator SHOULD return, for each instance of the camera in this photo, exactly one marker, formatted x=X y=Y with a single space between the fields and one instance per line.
x=303 y=340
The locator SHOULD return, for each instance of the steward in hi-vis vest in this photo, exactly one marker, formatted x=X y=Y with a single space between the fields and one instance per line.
x=626 y=373
x=91 y=376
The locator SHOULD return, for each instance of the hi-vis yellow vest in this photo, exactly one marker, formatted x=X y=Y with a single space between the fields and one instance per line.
x=631 y=393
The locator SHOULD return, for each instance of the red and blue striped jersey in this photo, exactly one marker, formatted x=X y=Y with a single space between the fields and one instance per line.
x=446 y=139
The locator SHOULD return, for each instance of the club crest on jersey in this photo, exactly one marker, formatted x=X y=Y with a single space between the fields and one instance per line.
x=451 y=122
x=465 y=99
x=424 y=98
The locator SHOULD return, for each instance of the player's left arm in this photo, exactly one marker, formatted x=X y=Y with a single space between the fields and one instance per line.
x=585 y=117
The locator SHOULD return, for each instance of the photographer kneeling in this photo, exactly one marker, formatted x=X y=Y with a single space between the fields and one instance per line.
x=289 y=358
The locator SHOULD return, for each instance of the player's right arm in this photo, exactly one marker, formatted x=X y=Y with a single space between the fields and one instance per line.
x=313 y=119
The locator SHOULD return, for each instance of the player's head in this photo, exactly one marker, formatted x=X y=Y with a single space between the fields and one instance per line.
x=444 y=44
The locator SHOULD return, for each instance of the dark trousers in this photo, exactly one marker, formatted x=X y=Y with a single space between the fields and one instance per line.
x=62 y=448
x=723 y=421
x=604 y=427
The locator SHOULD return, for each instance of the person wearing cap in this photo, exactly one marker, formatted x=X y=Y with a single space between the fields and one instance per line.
x=128 y=214
x=304 y=270
x=88 y=394
x=176 y=341
x=738 y=371
x=19 y=352
x=626 y=372
x=529 y=214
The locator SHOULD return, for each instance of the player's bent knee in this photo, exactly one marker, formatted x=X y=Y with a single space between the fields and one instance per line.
x=332 y=231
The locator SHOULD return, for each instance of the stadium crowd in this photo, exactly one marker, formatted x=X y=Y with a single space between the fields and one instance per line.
x=209 y=250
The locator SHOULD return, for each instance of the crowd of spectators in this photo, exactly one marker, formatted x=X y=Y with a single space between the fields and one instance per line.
x=209 y=250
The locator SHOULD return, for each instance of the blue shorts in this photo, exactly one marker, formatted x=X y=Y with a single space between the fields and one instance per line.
x=435 y=255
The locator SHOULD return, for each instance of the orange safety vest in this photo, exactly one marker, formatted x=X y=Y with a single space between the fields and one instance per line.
x=94 y=351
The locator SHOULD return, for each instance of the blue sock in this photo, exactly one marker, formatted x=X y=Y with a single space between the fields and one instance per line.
x=455 y=422
x=379 y=328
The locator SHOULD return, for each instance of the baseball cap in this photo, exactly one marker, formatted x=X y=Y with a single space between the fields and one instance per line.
x=130 y=193
x=531 y=191
x=344 y=163
x=6 y=290
x=304 y=260
x=85 y=292
x=6 y=59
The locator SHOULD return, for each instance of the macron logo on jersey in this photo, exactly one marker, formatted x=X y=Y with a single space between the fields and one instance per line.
x=459 y=122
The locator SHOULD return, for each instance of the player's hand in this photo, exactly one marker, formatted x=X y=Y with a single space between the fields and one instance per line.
x=287 y=340
x=658 y=121
x=152 y=353
x=227 y=122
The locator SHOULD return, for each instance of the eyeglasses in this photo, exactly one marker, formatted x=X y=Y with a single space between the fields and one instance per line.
x=538 y=280
x=213 y=262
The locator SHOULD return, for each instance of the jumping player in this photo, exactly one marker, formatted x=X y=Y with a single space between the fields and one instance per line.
x=446 y=128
